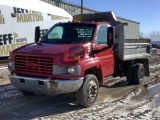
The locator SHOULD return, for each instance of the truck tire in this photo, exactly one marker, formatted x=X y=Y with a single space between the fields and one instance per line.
x=88 y=92
x=138 y=73
x=129 y=74
x=26 y=93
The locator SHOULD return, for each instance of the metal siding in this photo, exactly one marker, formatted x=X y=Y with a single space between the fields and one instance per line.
x=131 y=31
x=70 y=8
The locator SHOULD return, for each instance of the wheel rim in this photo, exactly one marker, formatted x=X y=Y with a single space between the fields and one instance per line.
x=92 y=91
x=141 y=74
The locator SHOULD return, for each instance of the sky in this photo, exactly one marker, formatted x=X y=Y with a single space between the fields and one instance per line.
x=147 y=12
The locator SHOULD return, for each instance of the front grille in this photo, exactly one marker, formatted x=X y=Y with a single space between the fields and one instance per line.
x=34 y=64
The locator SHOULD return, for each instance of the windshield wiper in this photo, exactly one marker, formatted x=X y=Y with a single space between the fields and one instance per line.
x=45 y=41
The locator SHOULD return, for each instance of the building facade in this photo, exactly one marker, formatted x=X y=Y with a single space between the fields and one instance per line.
x=131 y=31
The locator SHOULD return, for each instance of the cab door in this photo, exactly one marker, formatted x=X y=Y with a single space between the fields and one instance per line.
x=103 y=51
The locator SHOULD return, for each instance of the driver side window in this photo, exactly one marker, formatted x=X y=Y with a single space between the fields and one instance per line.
x=101 y=38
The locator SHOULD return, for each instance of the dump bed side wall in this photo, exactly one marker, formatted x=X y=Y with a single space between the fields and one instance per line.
x=135 y=49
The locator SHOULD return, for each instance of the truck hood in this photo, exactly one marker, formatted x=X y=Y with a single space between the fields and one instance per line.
x=46 y=48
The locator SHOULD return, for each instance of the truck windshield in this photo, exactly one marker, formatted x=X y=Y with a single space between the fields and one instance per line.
x=70 y=33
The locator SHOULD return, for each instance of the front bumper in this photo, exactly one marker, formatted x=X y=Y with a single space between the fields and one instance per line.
x=45 y=85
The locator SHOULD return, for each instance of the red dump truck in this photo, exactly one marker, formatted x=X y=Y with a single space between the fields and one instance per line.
x=75 y=57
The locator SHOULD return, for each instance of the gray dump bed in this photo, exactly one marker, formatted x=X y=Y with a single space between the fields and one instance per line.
x=125 y=49
x=134 y=49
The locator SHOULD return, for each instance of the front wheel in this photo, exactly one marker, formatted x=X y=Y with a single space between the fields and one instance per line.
x=88 y=92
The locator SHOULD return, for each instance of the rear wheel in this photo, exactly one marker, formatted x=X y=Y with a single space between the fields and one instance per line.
x=87 y=94
x=129 y=74
x=138 y=73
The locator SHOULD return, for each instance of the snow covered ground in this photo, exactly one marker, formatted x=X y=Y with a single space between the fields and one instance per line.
x=139 y=104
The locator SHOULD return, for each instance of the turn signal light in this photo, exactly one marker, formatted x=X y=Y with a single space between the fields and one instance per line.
x=76 y=21
x=110 y=36
x=76 y=58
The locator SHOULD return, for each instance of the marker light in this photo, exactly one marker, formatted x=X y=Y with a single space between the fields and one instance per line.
x=76 y=58
x=76 y=21
x=110 y=36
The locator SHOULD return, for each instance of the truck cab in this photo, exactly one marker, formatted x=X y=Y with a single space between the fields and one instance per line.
x=75 y=57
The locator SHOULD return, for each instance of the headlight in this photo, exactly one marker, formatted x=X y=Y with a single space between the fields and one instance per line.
x=70 y=70
x=66 y=70
x=10 y=64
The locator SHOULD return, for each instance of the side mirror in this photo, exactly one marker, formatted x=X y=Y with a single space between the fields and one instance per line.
x=37 y=34
x=110 y=36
